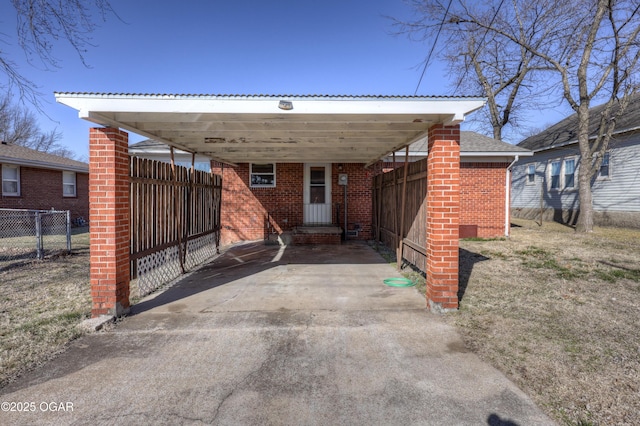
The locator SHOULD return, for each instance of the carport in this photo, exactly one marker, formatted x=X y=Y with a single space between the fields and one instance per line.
x=246 y=129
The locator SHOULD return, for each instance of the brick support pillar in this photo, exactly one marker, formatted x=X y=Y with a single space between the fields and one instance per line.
x=109 y=221
x=443 y=217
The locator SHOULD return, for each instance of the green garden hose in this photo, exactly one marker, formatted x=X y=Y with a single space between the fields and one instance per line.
x=399 y=282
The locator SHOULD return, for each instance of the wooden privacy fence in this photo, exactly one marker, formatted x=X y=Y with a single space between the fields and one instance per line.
x=400 y=212
x=175 y=220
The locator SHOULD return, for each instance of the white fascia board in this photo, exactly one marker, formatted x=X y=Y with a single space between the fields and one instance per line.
x=472 y=154
x=496 y=154
x=488 y=159
x=454 y=109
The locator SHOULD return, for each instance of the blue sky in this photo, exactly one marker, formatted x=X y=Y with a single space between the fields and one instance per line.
x=234 y=47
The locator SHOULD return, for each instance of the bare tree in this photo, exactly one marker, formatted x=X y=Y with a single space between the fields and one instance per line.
x=40 y=24
x=593 y=47
x=19 y=126
x=592 y=52
x=480 y=62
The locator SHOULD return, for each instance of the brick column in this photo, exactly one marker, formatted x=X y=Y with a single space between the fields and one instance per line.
x=109 y=221
x=443 y=217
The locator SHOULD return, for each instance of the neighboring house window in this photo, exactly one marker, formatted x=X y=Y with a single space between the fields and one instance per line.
x=603 y=173
x=531 y=173
x=555 y=174
x=569 y=173
x=263 y=175
x=68 y=184
x=10 y=180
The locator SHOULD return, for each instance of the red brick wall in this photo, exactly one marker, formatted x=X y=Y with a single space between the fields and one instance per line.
x=244 y=209
x=109 y=219
x=482 y=197
x=443 y=214
x=358 y=198
x=41 y=189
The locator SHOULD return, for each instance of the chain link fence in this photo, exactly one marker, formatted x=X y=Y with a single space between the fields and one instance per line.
x=33 y=234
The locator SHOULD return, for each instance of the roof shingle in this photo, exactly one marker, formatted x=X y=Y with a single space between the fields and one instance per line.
x=566 y=131
x=475 y=142
x=20 y=155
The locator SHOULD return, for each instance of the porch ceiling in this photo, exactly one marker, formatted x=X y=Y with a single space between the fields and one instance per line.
x=240 y=129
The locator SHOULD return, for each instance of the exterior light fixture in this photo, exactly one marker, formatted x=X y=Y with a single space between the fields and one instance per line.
x=285 y=105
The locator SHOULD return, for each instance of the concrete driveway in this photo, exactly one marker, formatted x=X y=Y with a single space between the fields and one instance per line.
x=270 y=335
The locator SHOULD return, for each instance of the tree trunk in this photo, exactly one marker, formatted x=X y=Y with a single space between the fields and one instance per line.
x=585 y=172
x=585 y=219
x=497 y=132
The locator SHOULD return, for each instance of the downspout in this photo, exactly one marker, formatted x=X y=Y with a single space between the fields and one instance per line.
x=507 y=199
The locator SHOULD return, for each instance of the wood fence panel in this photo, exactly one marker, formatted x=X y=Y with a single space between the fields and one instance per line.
x=387 y=196
x=169 y=208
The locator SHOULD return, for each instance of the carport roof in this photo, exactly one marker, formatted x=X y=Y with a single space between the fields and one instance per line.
x=275 y=128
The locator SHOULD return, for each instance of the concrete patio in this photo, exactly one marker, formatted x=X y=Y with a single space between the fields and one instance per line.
x=276 y=335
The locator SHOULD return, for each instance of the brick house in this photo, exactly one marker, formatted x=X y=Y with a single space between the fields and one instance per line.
x=271 y=200
x=269 y=142
x=36 y=180
x=485 y=181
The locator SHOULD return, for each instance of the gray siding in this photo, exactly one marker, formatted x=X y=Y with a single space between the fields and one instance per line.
x=619 y=193
x=525 y=195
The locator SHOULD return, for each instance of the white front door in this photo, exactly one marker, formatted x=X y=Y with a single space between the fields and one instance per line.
x=317 y=194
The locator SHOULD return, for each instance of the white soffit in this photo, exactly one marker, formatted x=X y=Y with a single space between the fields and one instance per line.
x=240 y=129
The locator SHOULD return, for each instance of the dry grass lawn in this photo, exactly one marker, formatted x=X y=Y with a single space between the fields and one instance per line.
x=559 y=314
x=41 y=304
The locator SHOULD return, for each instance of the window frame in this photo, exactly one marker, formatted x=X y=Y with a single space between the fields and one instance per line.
x=562 y=178
x=65 y=184
x=599 y=175
x=16 y=180
x=551 y=175
x=262 y=185
x=564 y=173
x=530 y=181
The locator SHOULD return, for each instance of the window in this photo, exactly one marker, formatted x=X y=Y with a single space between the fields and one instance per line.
x=603 y=173
x=10 y=180
x=569 y=173
x=317 y=185
x=68 y=184
x=263 y=175
x=531 y=174
x=555 y=174
x=562 y=174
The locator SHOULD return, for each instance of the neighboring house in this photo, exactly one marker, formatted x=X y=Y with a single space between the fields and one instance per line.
x=155 y=150
x=292 y=194
x=36 y=180
x=546 y=185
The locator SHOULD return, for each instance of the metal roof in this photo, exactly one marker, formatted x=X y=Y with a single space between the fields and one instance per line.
x=22 y=156
x=275 y=128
